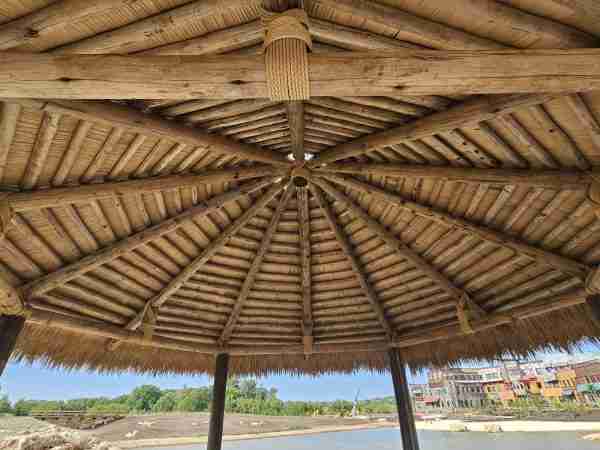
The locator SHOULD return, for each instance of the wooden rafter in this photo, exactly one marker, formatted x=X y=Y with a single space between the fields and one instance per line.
x=418 y=72
x=207 y=253
x=52 y=280
x=460 y=296
x=357 y=266
x=295 y=115
x=132 y=120
x=464 y=114
x=540 y=255
x=494 y=319
x=37 y=25
x=305 y=264
x=46 y=198
x=255 y=267
x=552 y=179
x=92 y=327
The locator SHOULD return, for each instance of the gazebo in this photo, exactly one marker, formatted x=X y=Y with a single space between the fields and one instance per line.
x=302 y=187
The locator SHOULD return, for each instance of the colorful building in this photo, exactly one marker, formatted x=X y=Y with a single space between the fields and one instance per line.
x=453 y=388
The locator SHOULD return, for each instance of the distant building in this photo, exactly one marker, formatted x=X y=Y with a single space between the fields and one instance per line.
x=566 y=380
x=457 y=388
x=587 y=381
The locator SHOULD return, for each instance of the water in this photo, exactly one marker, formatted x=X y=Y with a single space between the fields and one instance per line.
x=389 y=439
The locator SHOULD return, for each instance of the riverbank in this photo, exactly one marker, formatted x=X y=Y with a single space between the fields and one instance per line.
x=446 y=425
x=189 y=429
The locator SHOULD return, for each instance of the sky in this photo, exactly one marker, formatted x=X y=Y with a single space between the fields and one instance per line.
x=37 y=382
x=22 y=380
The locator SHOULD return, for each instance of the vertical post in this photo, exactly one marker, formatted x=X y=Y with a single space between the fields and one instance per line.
x=217 y=411
x=403 y=403
x=10 y=328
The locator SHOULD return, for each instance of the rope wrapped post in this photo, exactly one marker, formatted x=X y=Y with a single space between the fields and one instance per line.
x=286 y=45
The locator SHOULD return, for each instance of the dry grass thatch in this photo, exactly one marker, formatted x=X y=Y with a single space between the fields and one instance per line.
x=149 y=234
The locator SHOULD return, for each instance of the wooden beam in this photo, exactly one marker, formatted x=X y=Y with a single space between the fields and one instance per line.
x=306 y=267
x=47 y=198
x=494 y=319
x=38 y=25
x=403 y=401
x=295 y=115
x=10 y=328
x=48 y=282
x=357 y=266
x=393 y=242
x=90 y=327
x=207 y=253
x=550 y=179
x=42 y=317
x=41 y=149
x=221 y=41
x=265 y=244
x=11 y=301
x=353 y=39
x=138 y=35
x=217 y=410
x=539 y=255
x=9 y=118
x=339 y=74
x=467 y=113
x=152 y=125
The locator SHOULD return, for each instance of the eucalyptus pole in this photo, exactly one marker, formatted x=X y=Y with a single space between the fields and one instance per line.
x=217 y=412
x=10 y=328
x=403 y=403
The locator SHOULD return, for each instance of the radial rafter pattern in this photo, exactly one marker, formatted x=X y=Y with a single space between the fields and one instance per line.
x=173 y=224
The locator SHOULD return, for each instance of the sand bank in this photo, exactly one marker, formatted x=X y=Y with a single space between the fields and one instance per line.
x=440 y=425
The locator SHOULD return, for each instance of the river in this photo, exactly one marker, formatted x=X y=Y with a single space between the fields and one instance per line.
x=389 y=439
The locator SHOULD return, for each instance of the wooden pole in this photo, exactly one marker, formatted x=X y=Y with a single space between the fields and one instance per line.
x=217 y=412
x=10 y=328
x=403 y=403
x=339 y=74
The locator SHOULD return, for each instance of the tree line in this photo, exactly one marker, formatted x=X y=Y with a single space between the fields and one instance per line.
x=243 y=396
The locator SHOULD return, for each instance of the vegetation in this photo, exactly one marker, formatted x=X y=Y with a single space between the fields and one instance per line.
x=244 y=396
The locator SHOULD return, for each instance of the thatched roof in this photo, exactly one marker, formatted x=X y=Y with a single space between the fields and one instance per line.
x=150 y=234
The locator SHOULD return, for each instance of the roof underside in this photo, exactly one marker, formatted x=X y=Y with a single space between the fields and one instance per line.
x=359 y=260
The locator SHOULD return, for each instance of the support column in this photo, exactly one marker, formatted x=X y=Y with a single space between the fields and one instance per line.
x=10 y=328
x=217 y=412
x=403 y=403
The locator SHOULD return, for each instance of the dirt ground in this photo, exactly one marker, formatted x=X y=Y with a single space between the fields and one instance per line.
x=184 y=425
x=12 y=426
x=196 y=424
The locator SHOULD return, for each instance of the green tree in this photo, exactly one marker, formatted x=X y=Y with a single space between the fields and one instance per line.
x=166 y=403
x=5 y=407
x=143 y=398
x=194 y=400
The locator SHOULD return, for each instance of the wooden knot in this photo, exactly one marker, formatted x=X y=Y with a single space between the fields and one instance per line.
x=286 y=45
x=592 y=282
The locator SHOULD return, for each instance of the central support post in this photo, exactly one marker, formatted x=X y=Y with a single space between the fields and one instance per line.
x=403 y=403
x=217 y=412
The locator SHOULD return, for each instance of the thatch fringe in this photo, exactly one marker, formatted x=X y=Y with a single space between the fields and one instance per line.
x=563 y=330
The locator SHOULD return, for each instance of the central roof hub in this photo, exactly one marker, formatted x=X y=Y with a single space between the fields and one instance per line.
x=300 y=176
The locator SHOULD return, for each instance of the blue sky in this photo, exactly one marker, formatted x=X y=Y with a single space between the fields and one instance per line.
x=37 y=382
